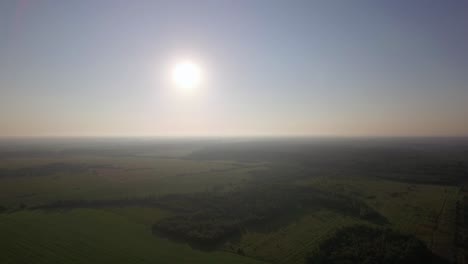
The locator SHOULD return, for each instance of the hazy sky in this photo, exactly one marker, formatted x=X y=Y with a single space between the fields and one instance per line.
x=347 y=68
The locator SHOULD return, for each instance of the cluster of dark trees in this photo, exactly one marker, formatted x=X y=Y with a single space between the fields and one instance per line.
x=206 y=219
x=368 y=245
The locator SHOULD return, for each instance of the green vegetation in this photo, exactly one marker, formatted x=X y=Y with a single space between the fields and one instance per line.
x=210 y=218
x=366 y=245
x=116 y=178
x=231 y=203
x=427 y=211
x=291 y=241
x=92 y=236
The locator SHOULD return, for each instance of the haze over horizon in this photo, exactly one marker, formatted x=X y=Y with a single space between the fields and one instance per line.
x=275 y=68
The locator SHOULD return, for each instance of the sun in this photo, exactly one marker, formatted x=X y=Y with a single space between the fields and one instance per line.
x=186 y=75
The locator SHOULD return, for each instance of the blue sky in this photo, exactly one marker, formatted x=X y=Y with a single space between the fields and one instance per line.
x=333 y=68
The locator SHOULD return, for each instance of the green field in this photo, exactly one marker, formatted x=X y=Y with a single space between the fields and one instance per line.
x=94 y=236
x=427 y=211
x=124 y=177
x=257 y=209
x=291 y=243
x=108 y=235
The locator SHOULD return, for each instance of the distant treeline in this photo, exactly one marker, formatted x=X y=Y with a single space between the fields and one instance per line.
x=48 y=169
x=149 y=201
x=415 y=165
x=417 y=170
x=362 y=244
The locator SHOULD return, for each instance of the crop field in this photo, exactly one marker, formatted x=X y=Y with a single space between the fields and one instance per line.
x=111 y=234
x=93 y=236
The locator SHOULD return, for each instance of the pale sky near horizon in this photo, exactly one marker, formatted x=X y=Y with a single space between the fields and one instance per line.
x=333 y=68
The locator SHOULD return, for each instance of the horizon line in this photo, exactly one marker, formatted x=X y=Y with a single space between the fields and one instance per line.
x=253 y=136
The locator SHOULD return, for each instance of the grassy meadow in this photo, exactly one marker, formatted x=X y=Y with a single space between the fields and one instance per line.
x=95 y=236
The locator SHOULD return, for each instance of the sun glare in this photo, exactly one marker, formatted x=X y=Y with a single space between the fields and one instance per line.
x=186 y=75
